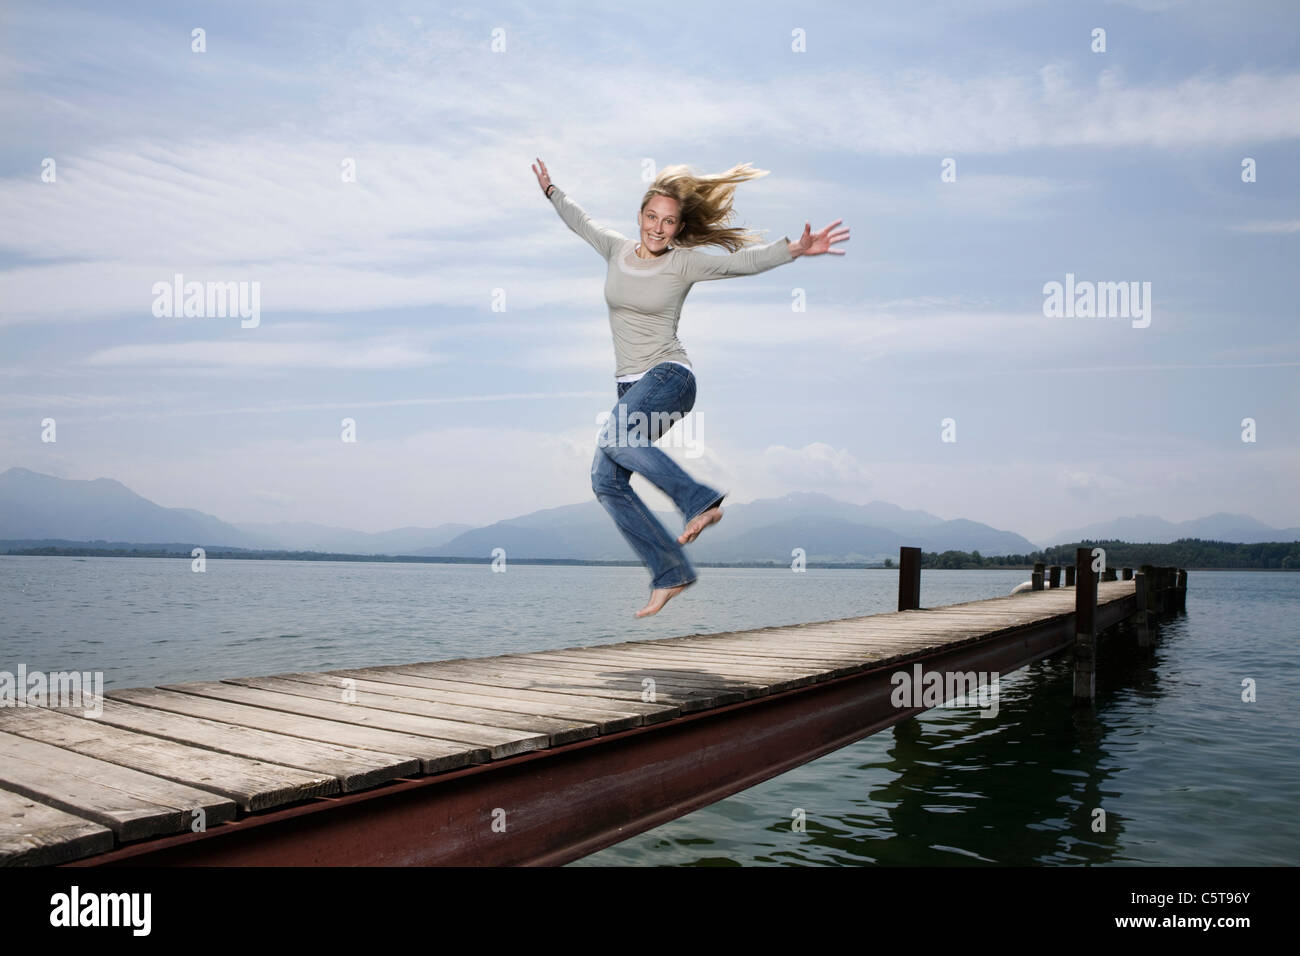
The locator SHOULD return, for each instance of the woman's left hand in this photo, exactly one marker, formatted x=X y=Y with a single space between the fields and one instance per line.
x=815 y=243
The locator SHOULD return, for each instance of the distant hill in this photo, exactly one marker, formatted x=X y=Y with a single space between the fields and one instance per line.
x=39 y=509
x=42 y=508
x=765 y=530
x=33 y=505
x=1220 y=526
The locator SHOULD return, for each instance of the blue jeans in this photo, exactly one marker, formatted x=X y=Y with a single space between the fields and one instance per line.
x=664 y=394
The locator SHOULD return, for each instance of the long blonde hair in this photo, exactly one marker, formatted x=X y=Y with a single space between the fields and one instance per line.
x=705 y=205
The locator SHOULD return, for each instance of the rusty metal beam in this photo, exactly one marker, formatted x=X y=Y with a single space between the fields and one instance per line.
x=554 y=806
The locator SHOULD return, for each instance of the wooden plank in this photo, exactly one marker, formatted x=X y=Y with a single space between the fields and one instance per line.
x=592 y=681
x=824 y=642
x=931 y=617
x=774 y=677
x=904 y=627
x=408 y=700
x=612 y=671
x=733 y=664
x=537 y=680
x=604 y=721
x=609 y=668
x=647 y=713
x=849 y=649
x=346 y=713
x=798 y=653
x=34 y=834
x=920 y=638
x=491 y=727
x=435 y=756
x=837 y=655
x=847 y=658
x=354 y=769
x=132 y=804
x=942 y=631
x=912 y=623
x=1024 y=612
x=252 y=784
x=740 y=659
x=897 y=628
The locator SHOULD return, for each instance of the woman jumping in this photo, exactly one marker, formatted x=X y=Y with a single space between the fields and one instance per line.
x=645 y=286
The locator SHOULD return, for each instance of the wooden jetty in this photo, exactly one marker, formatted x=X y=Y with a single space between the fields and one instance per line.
x=535 y=758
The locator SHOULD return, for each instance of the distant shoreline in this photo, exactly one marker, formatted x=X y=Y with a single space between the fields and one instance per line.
x=245 y=555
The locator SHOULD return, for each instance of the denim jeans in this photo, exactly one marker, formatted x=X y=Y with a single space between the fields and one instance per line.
x=664 y=394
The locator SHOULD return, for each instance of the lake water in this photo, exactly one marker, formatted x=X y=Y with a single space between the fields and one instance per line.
x=1186 y=772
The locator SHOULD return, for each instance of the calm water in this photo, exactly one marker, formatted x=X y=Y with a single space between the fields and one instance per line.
x=1186 y=772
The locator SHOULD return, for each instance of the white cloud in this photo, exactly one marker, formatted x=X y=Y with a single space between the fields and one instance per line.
x=239 y=355
x=441 y=223
x=815 y=465
x=1269 y=226
x=1091 y=485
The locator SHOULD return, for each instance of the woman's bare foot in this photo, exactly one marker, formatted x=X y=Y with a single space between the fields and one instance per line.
x=699 y=523
x=661 y=596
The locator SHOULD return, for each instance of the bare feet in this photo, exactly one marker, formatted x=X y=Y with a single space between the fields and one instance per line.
x=699 y=523
x=661 y=596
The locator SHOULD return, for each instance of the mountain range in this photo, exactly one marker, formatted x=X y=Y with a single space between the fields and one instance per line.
x=42 y=509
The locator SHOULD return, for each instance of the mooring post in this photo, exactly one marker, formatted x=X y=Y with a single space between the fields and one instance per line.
x=1182 y=589
x=1127 y=574
x=1037 y=576
x=1069 y=575
x=1153 y=583
x=1085 y=634
x=1054 y=576
x=909 y=579
x=1140 y=615
x=1108 y=574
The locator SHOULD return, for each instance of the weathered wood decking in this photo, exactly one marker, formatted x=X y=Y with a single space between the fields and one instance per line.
x=182 y=763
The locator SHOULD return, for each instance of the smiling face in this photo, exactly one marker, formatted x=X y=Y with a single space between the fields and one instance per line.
x=659 y=221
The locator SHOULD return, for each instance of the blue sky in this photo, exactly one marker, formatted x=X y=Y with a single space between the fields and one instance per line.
x=377 y=295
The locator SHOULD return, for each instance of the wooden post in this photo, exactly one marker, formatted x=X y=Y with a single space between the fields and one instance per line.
x=1085 y=620
x=909 y=579
x=1140 y=615
x=1182 y=589
x=1152 y=584
x=1054 y=576
x=1128 y=574
x=1037 y=576
x=1108 y=574
x=1069 y=575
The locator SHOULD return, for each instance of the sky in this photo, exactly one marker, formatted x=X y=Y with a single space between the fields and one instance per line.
x=367 y=169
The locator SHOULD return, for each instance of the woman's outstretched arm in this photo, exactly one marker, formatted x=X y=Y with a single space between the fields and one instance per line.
x=700 y=266
x=603 y=240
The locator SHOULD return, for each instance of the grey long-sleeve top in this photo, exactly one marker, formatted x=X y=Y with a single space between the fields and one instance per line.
x=645 y=296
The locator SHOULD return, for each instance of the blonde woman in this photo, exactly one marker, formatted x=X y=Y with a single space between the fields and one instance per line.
x=645 y=285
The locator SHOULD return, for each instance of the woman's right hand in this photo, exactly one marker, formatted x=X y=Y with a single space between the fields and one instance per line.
x=543 y=177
